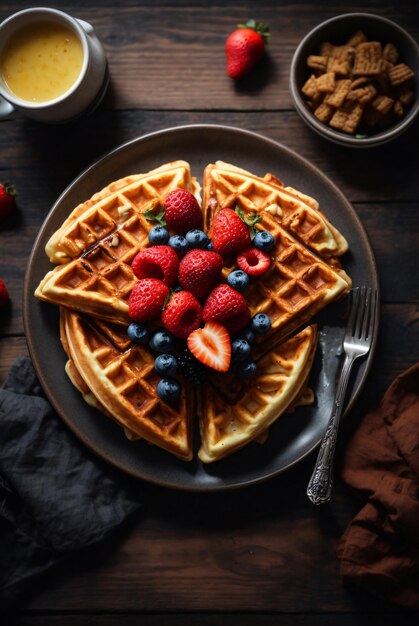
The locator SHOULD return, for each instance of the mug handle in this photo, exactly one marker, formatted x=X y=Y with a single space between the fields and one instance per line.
x=88 y=28
x=5 y=108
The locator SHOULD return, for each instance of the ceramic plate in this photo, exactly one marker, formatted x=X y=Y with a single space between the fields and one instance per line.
x=294 y=435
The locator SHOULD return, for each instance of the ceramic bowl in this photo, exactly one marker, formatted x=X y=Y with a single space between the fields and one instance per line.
x=337 y=31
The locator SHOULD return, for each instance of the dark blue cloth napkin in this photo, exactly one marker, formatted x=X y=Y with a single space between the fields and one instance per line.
x=55 y=496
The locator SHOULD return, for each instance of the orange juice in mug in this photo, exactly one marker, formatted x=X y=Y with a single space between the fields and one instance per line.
x=51 y=65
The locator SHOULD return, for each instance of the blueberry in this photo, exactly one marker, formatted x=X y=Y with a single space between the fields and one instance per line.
x=264 y=241
x=238 y=280
x=138 y=332
x=247 y=334
x=240 y=350
x=261 y=323
x=158 y=236
x=168 y=389
x=179 y=244
x=197 y=238
x=162 y=341
x=210 y=246
x=166 y=364
x=177 y=288
x=246 y=369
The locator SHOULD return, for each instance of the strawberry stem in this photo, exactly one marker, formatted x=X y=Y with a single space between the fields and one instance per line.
x=258 y=27
x=153 y=217
x=250 y=220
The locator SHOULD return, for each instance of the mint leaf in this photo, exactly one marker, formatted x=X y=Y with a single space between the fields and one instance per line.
x=250 y=220
x=159 y=217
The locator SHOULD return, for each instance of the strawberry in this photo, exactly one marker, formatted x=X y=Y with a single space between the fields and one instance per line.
x=159 y=262
x=245 y=47
x=224 y=305
x=211 y=345
x=199 y=270
x=182 y=314
x=229 y=233
x=253 y=261
x=183 y=212
x=147 y=299
x=7 y=201
x=4 y=295
x=238 y=322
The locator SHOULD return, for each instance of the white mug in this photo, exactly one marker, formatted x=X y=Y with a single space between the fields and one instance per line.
x=82 y=93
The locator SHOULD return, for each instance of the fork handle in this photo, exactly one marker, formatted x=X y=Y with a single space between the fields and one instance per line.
x=319 y=488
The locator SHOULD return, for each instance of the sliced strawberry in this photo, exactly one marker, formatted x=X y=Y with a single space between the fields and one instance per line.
x=199 y=270
x=253 y=261
x=4 y=294
x=211 y=345
x=182 y=315
x=159 y=262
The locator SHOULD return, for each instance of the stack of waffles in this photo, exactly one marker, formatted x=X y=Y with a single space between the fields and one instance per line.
x=92 y=280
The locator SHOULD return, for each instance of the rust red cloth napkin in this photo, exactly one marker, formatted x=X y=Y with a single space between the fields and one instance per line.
x=379 y=551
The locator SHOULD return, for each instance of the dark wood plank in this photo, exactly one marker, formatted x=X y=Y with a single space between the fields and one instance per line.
x=219 y=619
x=52 y=156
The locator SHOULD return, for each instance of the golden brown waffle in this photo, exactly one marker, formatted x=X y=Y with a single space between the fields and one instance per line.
x=226 y=185
x=105 y=233
x=281 y=375
x=121 y=376
x=296 y=286
x=107 y=211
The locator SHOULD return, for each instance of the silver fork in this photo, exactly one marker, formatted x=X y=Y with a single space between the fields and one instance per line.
x=357 y=342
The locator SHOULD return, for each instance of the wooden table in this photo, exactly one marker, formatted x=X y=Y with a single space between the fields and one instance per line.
x=261 y=555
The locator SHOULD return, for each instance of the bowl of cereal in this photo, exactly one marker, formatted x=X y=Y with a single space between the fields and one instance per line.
x=354 y=80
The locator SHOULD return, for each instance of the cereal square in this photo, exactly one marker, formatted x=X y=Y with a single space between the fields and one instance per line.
x=368 y=59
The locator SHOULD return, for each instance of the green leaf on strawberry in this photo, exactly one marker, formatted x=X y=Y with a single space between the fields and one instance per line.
x=250 y=220
x=258 y=27
x=156 y=217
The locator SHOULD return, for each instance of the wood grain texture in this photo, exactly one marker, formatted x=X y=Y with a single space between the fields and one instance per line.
x=262 y=555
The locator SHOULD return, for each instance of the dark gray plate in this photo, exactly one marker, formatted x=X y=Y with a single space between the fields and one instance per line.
x=294 y=435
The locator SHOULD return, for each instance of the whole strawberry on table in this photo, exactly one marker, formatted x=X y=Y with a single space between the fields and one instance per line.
x=245 y=47
x=7 y=200
x=205 y=322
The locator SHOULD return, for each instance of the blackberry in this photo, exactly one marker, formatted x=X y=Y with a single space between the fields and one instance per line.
x=191 y=368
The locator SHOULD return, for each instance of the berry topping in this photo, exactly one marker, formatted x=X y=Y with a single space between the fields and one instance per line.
x=199 y=270
x=264 y=240
x=261 y=323
x=182 y=314
x=240 y=350
x=248 y=335
x=162 y=341
x=158 y=236
x=238 y=280
x=211 y=346
x=246 y=369
x=253 y=261
x=4 y=295
x=224 y=303
x=159 y=262
x=245 y=47
x=138 y=332
x=7 y=200
x=238 y=322
x=197 y=239
x=229 y=233
x=168 y=389
x=210 y=246
x=179 y=244
x=147 y=299
x=191 y=368
x=166 y=364
x=182 y=211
